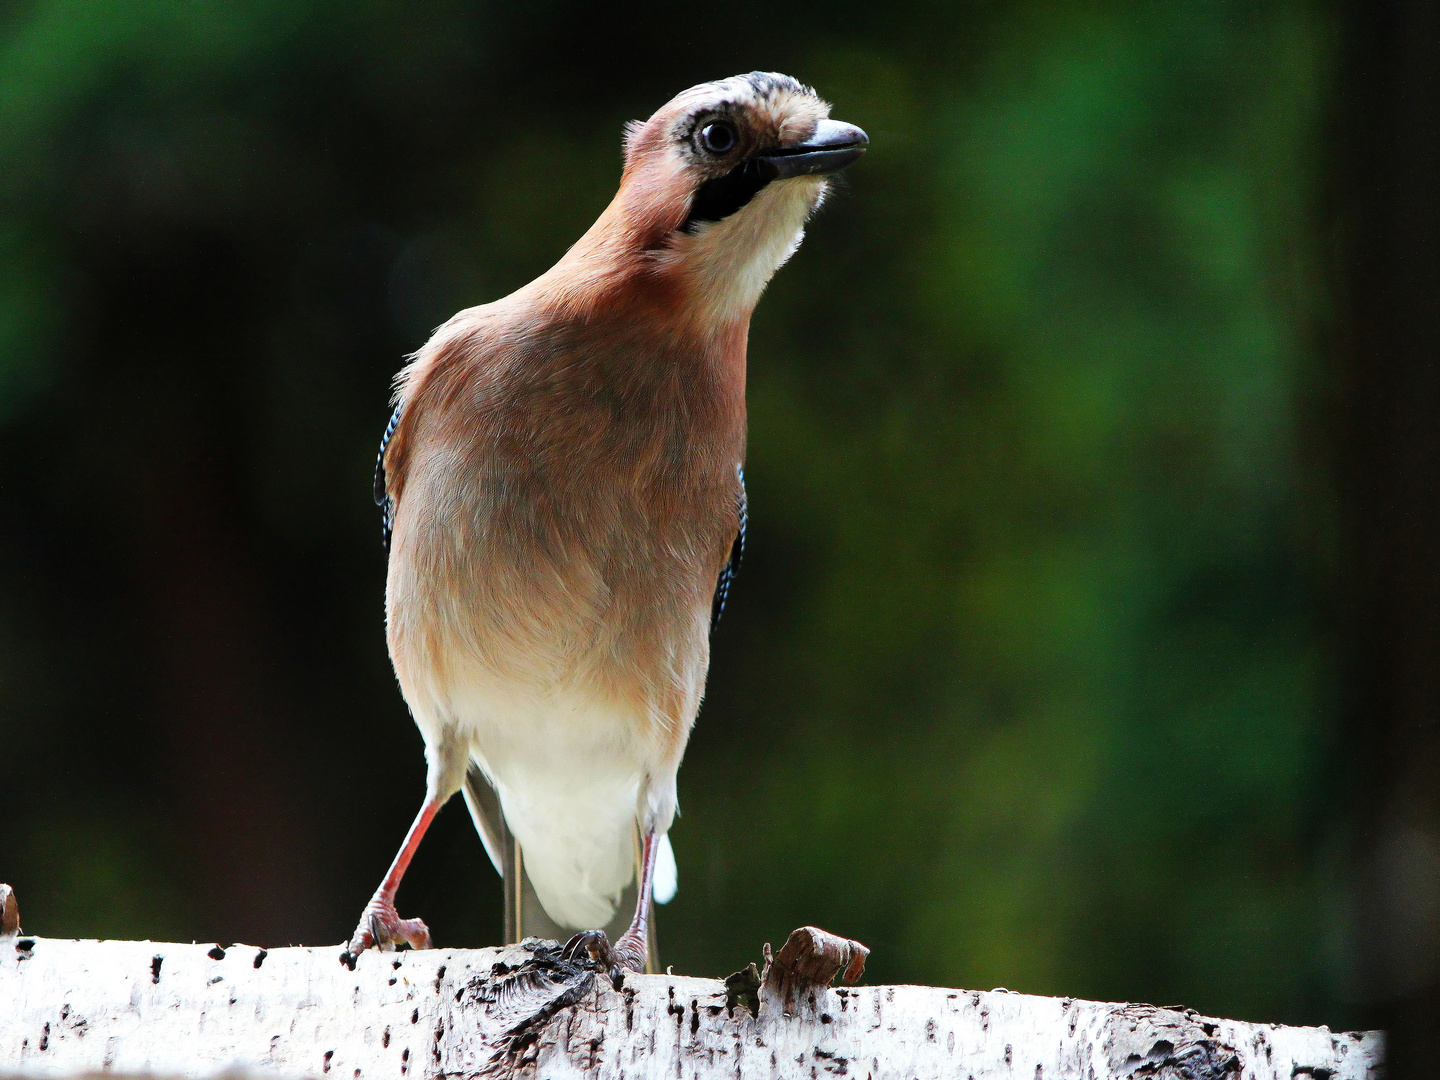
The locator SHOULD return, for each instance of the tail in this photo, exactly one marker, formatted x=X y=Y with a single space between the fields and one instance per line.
x=524 y=914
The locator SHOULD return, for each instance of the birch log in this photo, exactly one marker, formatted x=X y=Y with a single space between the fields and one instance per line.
x=125 y=1008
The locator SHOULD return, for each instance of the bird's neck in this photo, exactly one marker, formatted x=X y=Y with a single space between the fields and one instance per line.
x=644 y=312
x=706 y=282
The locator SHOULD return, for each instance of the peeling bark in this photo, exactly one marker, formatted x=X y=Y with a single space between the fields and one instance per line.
x=9 y=912
x=811 y=957
x=70 y=1008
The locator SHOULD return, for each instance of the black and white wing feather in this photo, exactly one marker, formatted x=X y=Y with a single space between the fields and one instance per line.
x=382 y=496
x=737 y=555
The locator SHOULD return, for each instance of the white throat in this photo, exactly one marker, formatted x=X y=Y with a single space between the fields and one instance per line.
x=730 y=262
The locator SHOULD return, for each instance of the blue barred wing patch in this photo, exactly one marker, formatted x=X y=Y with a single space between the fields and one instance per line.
x=382 y=496
x=737 y=555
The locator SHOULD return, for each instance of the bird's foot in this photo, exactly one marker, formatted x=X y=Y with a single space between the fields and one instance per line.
x=626 y=955
x=382 y=926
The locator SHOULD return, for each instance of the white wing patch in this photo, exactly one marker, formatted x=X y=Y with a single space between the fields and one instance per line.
x=667 y=874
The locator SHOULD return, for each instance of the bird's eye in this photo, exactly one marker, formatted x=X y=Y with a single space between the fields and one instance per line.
x=717 y=137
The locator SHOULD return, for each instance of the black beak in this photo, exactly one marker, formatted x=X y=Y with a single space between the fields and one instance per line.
x=833 y=146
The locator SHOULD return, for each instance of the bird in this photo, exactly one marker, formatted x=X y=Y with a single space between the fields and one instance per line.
x=564 y=508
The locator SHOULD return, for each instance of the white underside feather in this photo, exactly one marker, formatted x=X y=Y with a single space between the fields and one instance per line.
x=667 y=874
x=573 y=776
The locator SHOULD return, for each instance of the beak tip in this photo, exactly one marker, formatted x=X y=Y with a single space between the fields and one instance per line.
x=833 y=145
x=858 y=138
x=838 y=135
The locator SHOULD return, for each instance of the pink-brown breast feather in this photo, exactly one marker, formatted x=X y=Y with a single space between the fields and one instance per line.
x=566 y=498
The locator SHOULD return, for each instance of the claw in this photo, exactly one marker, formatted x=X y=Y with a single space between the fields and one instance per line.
x=594 y=944
x=382 y=926
x=624 y=957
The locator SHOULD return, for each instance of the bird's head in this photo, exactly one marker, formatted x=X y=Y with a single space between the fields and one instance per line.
x=718 y=185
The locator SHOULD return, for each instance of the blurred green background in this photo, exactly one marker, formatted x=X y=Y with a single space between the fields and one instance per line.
x=1030 y=677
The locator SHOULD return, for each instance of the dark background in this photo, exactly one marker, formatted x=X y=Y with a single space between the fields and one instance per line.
x=1086 y=639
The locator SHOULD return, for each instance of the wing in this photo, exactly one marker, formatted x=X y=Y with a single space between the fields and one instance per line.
x=382 y=496
x=483 y=803
x=737 y=553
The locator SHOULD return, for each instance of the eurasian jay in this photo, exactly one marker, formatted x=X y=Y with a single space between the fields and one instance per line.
x=564 y=506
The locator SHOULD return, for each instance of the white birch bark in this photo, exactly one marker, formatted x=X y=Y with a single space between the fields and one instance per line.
x=72 y=1008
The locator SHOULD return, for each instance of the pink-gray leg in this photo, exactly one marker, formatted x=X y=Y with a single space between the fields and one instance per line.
x=630 y=951
x=380 y=924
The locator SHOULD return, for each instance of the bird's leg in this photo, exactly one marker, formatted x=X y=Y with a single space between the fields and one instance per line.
x=629 y=952
x=380 y=923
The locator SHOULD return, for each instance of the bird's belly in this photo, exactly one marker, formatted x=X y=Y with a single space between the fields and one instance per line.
x=569 y=769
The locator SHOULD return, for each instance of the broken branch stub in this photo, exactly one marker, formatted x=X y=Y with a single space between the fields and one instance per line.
x=811 y=957
x=9 y=912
